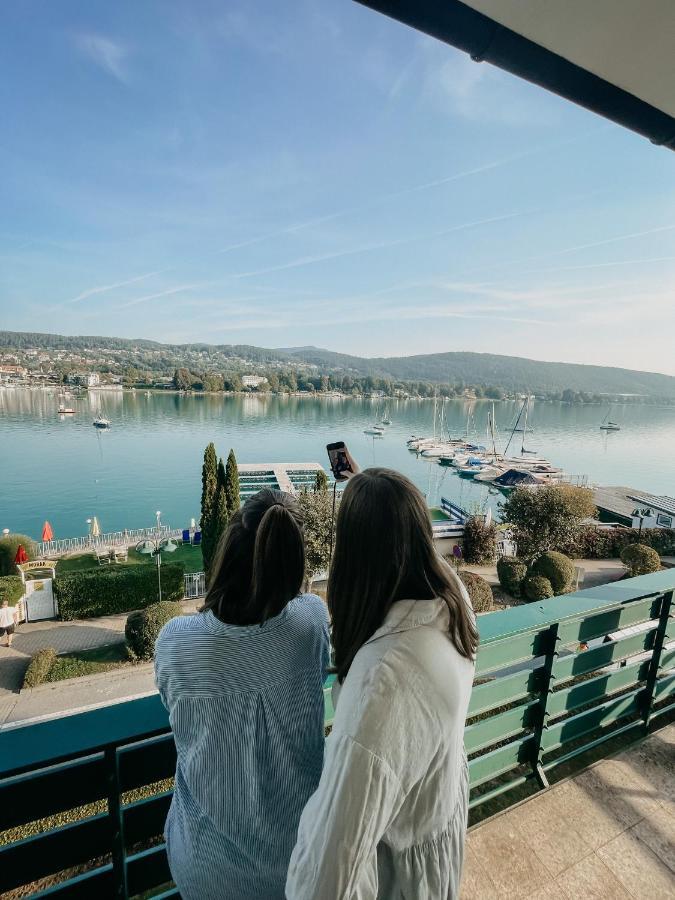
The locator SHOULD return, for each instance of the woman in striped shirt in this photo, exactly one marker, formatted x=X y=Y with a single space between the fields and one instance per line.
x=242 y=681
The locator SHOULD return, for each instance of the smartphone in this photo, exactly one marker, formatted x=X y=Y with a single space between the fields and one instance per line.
x=340 y=461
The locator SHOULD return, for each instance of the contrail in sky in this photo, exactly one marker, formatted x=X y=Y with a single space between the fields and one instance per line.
x=111 y=287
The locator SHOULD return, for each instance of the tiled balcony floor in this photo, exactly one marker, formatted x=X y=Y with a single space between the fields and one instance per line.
x=606 y=834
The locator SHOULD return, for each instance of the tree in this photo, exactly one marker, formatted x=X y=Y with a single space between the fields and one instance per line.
x=231 y=484
x=209 y=490
x=220 y=515
x=182 y=379
x=547 y=518
x=321 y=481
x=317 y=508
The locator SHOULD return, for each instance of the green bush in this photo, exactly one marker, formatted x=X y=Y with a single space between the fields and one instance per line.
x=478 y=590
x=640 y=559
x=480 y=541
x=39 y=667
x=103 y=592
x=609 y=543
x=143 y=627
x=511 y=572
x=536 y=587
x=558 y=568
x=9 y=544
x=11 y=589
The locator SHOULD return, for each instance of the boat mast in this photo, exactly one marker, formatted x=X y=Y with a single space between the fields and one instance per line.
x=527 y=409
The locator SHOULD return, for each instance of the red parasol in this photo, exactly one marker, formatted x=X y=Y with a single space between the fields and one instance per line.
x=21 y=555
x=47 y=532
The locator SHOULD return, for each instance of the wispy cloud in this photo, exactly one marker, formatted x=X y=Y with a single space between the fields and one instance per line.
x=148 y=297
x=107 y=54
x=104 y=288
x=379 y=245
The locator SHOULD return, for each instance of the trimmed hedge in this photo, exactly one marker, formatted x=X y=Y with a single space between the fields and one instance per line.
x=144 y=626
x=103 y=592
x=511 y=571
x=479 y=541
x=9 y=544
x=11 y=589
x=536 y=587
x=39 y=667
x=608 y=543
x=558 y=568
x=478 y=590
x=640 y=559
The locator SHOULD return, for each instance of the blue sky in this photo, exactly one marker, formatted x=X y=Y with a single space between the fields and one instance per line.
x=314 y=173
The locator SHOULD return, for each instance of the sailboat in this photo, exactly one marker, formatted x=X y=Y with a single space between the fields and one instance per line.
x=608 y=425
x=65 y=410
x=385 y=419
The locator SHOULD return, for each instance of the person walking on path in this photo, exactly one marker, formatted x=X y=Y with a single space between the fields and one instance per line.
x=9 y=616
x=389 y=816
x=243 y=683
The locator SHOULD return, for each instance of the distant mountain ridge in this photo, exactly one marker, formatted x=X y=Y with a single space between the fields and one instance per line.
x=511 y=373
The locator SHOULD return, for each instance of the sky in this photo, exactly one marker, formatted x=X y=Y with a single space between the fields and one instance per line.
x=312 y=172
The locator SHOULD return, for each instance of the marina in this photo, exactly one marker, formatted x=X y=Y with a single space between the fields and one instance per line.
x=63 y=469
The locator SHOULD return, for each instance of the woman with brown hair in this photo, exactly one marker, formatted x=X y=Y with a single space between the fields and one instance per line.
x=243 y=683
x=388 y=819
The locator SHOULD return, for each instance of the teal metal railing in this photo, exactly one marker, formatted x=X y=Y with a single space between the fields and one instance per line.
x=538 y=701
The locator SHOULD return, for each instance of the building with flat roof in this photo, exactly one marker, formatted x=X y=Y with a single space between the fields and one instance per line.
x=634 y=508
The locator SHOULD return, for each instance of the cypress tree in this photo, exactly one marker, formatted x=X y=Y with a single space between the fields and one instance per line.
x=209 y=490
x=220 y=514
x=321 y=482
x=232 y=484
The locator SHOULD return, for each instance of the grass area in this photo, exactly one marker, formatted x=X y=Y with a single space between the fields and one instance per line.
x=191 y=557
x=89 y=662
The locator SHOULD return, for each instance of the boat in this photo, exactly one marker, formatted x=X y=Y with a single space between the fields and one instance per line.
x=608 y=425
x=66 y=410
x=374 y=430
x=101 y=422
x=386 y=421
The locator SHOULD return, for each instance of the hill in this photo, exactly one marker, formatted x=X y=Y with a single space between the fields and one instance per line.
x=510 y=373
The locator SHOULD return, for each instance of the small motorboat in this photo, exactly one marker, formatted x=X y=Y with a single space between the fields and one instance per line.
x=101 y=422
x=66 y=410
x=610 y=426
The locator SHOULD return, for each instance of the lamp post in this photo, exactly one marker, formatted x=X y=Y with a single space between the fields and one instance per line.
x=154 y=545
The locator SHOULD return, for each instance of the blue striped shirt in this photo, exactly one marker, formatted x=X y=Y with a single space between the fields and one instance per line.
x=246 y=708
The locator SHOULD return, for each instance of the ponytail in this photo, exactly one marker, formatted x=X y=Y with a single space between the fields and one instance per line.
x=260 y=563
x=278 y=561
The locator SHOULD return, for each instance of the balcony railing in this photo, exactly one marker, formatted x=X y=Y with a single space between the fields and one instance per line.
x=539 y=701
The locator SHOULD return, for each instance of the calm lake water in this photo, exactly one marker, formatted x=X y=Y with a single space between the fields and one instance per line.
x=67 y=471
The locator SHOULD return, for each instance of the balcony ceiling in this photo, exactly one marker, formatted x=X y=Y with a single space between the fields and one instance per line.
x=615 y=57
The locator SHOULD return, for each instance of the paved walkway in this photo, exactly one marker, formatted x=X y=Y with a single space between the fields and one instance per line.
x=606 y=834
x=596 y=572
x=65 y=637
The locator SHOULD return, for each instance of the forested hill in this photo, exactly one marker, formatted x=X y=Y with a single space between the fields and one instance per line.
x=512 y=373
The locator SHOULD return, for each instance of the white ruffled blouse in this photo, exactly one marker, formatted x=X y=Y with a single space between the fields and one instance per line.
x=388 y=819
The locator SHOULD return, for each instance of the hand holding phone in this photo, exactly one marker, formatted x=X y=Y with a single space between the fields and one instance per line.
x=341 y=461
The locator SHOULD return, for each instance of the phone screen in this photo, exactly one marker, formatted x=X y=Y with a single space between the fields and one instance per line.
x=340 y=460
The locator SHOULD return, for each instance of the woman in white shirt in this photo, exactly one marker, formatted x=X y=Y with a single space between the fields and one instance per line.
x=388 y=819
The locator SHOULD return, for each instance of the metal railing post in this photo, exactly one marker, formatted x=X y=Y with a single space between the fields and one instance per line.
x=546 y=677
x=119 y=860
x=647 y=697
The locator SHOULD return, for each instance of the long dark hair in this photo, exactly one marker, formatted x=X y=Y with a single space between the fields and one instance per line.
x=384 y=552
x=260 y=561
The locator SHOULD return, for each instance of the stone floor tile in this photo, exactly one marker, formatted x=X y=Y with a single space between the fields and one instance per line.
x=591 y=880
x=549 y=891
x=639 y=870
x=549 y=833
x=658 y=832
x=613 y=788
x=514 y=869
x=587 y=813
x=476 y=883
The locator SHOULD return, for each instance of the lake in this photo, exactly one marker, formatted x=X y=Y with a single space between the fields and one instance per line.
x=65 y=470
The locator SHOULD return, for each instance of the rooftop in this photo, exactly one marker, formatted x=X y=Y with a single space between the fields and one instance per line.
x=620 y=500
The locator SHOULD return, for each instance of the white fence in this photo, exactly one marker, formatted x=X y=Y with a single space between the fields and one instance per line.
x=195 y=586
x=51 y=549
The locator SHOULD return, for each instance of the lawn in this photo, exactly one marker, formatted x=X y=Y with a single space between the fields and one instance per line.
x=191 y=557
x=89 y=662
